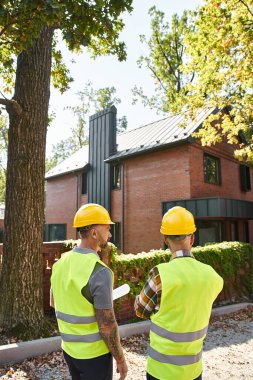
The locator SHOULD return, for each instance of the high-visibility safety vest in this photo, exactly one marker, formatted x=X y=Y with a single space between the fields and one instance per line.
x=75 y=314
x=180 y=326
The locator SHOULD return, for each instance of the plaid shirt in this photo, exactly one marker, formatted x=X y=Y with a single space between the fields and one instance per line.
x=148 y=301
x=149 y=298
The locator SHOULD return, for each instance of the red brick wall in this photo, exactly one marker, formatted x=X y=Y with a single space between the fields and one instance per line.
x=171 y=174
x=230 y=173
x=149 y=180
x=63 y=198
x=230 y=178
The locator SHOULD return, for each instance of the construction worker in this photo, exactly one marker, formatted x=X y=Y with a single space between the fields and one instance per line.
x=178 y=298
x=82 y=296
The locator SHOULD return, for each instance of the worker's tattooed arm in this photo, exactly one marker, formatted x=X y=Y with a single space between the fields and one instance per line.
x=109 y=331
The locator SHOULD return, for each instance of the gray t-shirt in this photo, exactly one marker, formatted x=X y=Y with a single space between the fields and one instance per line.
x=98 y=291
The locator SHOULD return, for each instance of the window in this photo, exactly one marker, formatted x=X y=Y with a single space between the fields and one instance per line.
x=234 y=231
x=84 y=183
x=116 y=171
x=115 y=231
x=246 y=232
x=54 y=232
x=212 y=170
x=245 y=178
x=209 y=231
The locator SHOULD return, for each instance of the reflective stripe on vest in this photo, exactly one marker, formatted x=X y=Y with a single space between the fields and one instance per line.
x=178 y=337
x=89 y=338
x=74 y=319
x=174 y=359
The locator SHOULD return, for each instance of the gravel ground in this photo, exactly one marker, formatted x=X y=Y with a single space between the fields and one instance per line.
x=228 y=354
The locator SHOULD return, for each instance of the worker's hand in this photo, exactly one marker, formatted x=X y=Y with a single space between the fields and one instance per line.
x=122 y=368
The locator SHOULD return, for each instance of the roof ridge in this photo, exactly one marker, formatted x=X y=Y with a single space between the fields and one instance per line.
x=145 y=125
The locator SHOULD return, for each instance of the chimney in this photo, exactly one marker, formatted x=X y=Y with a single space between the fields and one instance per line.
x=102 y=144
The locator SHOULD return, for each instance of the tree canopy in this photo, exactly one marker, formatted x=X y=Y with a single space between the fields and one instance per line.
x=221 y=54
x=95 y=25
x=166 y=54
x=218 y=45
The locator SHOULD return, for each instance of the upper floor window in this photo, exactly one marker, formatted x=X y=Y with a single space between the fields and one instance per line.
x=245 y=178
x=84 y=183
x=212 y=169
x=116 y=176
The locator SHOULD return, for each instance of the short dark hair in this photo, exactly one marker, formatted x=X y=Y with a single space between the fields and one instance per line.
x=177 y=237
x=84 y=231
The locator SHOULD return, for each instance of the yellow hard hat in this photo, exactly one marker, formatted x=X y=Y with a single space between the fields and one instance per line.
x=177 y=221
x=91 y=213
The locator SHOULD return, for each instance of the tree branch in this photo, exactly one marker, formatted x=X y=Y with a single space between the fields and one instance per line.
x=11 y=103
x=246 y=5
x=172 y=71
x=157 y=77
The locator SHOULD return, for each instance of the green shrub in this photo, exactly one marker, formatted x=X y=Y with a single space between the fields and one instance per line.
x=232 y=260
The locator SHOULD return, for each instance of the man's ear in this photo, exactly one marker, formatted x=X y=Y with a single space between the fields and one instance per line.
x=93 y=233
x=165 y=239
x=192 y=239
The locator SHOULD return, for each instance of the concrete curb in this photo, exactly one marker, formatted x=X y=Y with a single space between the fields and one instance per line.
x=16 y=352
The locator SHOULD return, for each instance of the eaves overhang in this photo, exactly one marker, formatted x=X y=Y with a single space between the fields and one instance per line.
x=71 y=171
x=133 y=152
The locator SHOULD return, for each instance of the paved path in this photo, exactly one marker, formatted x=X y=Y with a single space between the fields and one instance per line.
x=228 y=354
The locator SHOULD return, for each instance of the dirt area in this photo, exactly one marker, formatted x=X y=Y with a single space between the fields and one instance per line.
x=228 y=354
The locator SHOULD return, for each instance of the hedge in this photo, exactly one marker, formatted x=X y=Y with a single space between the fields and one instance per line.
x=232 y=260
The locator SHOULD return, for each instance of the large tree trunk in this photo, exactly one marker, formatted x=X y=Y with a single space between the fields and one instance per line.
x=21 y=307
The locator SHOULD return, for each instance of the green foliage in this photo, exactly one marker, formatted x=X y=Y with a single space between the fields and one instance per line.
x=216 y=45
x=132 y=266
x=68 y=245
x=60 y=73
x=221 y=55
x=232 y=260
x=90 y=101
x=95 y=25
x=164 y=61
x=122 y=124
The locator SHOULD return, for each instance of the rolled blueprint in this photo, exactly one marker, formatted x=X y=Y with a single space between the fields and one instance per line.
x=120 y=291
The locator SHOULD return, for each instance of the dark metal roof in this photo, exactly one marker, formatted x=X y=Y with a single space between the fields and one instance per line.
x=153 y=136
x=76 y=161
x=158 y=134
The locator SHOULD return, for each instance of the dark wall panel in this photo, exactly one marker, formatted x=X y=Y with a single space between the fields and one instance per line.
x=102 y=144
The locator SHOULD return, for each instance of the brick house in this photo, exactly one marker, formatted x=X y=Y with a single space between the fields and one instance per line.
x=139 y=174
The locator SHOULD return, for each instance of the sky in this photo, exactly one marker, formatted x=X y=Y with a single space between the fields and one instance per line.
x=108 y=72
